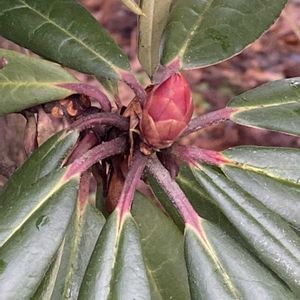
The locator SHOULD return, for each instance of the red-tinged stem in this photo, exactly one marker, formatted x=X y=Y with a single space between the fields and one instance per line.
x=133 y=83
x=84 y=190
x=90 y=91
x=168 y=160
x=131 y=182
x=209 y=119
x=194 y=155
x=102 y=151
x=97 y=119
x=88 y=141
x=164 y=72
x=176 y=195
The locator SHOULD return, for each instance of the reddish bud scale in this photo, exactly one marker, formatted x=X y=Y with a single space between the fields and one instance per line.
x=167 y=112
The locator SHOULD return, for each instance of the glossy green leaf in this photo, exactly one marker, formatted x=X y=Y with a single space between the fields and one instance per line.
x=26 y=81
x=64 y=278
x=203 y=32
x=28 y=253
x=281 y=197
x=151 y=27
x=270 y=175
x=63 y=32
x=162 y=245
x=269 y=236
x=116 y=269
x=274 y=106
x=47 y=158
x=219 y=268
x=279 y=163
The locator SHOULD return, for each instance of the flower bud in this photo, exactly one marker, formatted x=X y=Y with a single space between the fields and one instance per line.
x=167 y=112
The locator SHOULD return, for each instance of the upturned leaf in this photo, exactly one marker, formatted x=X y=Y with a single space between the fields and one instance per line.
x=219 y=268
x=63 y=32
x=116 y=269
x=201 y=33
x=64 y=277
x=151 y=26
x=26 y=81
x=274 y=106
x=162 y=245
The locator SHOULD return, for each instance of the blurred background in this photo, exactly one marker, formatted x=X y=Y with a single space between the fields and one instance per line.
x=276 y=55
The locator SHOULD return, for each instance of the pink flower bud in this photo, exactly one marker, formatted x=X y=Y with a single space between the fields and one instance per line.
x=167 y=112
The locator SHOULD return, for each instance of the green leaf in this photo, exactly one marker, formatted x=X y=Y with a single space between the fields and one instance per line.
x=64 y=278
x=26 y=81
x=28 y=253
x=269 y=236
x=117 y=268
x=279 y=163
x=201 y=33
x=274 y=106
x=270 y=175
x=151 y=27
x=16 y=210
x=162 y=245
x=219 y=268
x=47 y=158
x=63 y=32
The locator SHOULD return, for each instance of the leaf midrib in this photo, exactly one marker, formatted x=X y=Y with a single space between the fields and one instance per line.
x=37 y=83
x=241 y=109
x=72 y=36
x=193 y=29
x=214 y=257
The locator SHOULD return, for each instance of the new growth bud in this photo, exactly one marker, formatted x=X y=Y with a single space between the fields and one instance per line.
x=167 y=112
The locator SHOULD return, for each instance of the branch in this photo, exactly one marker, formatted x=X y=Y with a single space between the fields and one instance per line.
x=131 y=182
x=93 y=120
x=193 y=154
x=175 y=194
x=209 y=119
x=91 y=91
x=102 y=151
x=88 y=141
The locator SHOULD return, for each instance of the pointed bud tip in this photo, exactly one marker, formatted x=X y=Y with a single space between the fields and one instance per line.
x=167 y=112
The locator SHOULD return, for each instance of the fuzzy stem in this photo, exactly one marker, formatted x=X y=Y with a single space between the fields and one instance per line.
x=209 y=119
x=102 y=151
x=175 y=194
x=164 y=72
x=91 y=91
x=193 y=154
x=101 y=119
x=131 y=182
x=88 y=141
x=133 y=83
x=84 y=190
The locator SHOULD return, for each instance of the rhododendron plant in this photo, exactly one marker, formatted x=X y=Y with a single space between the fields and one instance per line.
x=114 y=206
